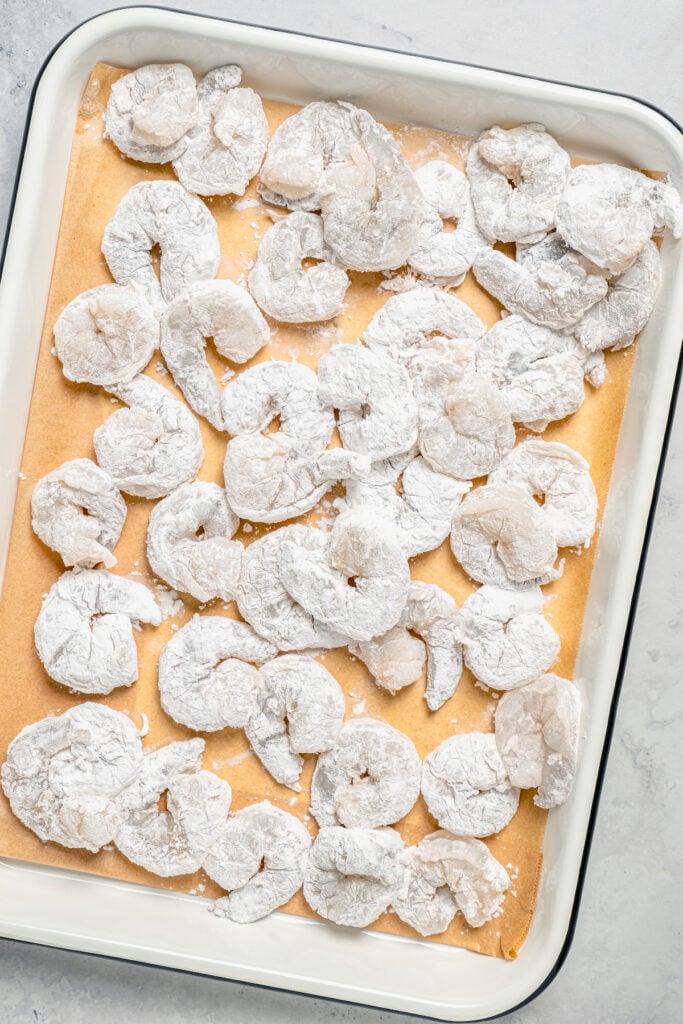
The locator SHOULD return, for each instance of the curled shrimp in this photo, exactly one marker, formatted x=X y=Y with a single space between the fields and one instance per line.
x=224 y=148
x=446 y=256
x=205 y=566
x=371 y=777
x=608 y=213
x=516 y=180
x=537 y=733
x=407 y=322
x=358 y=548
x=149 y=111
x=84 y=630
x=259 y=857
x=106 y=335
x=299 y=710
x=220 y=310
x=163 y=213
x=283 y=288
x=151 y=447
x=378 y=413
x=506 y=640
x=207 y=673
x=78 y=511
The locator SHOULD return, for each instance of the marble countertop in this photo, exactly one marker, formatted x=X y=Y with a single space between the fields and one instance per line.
x=625 y=964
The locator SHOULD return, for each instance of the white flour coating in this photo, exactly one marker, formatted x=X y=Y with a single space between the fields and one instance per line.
x=353 y=874
x=394 y=660
x=506 y=640
x=608 y=213
x=408 y=321
x=224 y=149
x=63 y=774
x=276 y=476
x=441 y=255
x=615 y=321
x=371 y=777
x=106 y=335
x=372 y=206
x=377 y=410
x=259 y=857
x=561 y=477
x=161 y=213
x=150 y=110
x=84 y=630
x=264 y=602
x=207 y=678
x=78 y=511
x=419 y=512
x=553 y=293
x=299 y=710
x=516 y=179
x=359 y=551
x=446 y=874
x=537 y=732
x=466 y=787
x=189 y=542
x=539 y=372
x=283 y=288
x=499 y=535
x=153 y=446
x=173 y=841
x=220 y=310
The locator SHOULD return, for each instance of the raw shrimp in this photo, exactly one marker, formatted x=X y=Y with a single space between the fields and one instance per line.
x=615 y=321
x=269 y=478
x=561 y=477
x=357 y=549
x=537 y=732
x=539 y=372
x=420 y=512
x=353 y=874
x=552 y=293
x=372 y=206
x=84 y=630
x=466 y=786
x=308 y=204
x=210 y=309
x=77 y=511
x=63 y=774
x=394 y=660
x=224 y=149
x=608 y=213
x=499 y=535
x=506 y=640
x=265 y=603
x=516 y=179
x=439 y=254
x=283 y=288
x=409 y=321
x=176 y=840
x=259 y=857
x=378 y=413
x=106 y=335
x=150 y=110
x=447 y=874
x=299 y=710
x=207 y=678
x=371 y=776
x=163 y=213
x=153 y=446
x=189 y=545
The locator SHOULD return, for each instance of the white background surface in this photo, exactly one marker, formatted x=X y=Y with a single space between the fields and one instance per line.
x=625 y=963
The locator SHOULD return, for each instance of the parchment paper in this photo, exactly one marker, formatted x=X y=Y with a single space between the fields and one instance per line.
x=62 y=420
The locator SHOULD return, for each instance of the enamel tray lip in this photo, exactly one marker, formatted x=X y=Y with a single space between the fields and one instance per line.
x=59 y=887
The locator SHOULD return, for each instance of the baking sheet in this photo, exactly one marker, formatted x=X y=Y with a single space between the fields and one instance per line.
x=63 y=417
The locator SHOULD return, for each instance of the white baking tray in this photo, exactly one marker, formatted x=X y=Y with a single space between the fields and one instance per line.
x=77 y=911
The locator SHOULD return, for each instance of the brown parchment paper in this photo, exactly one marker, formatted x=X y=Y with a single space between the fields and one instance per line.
x=62 y=420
